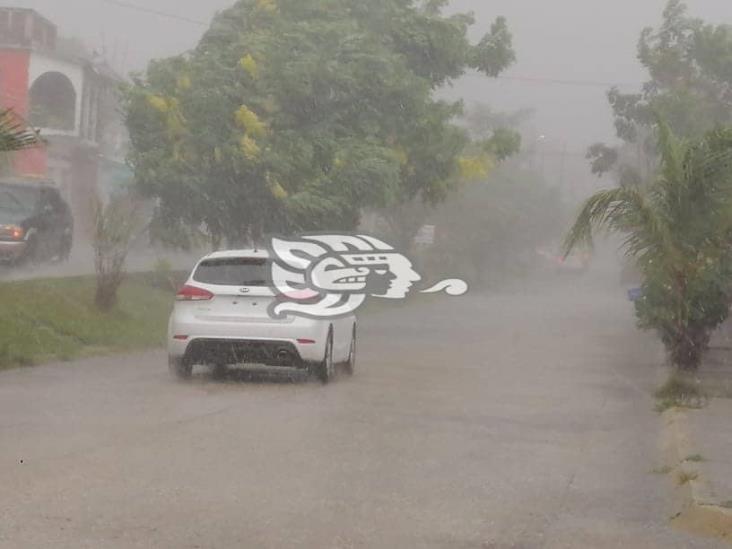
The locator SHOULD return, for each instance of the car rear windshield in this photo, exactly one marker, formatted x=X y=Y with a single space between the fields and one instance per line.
x=233 y=272
x=18 y=199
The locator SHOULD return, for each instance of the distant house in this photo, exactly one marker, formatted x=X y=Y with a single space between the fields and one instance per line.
x=72 y=98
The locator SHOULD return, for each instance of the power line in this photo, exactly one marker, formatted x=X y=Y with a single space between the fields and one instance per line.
x=136 y=7
x=560 y=82
x=524 y=79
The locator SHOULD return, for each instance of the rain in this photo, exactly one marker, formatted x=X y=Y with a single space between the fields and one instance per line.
x=365 y=274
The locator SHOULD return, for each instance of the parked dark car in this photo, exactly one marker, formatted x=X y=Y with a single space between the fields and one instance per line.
x=35 y=222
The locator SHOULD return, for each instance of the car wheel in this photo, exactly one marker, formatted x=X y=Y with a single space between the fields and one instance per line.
x=325 y=370
x=219 y=371
x=350 y=366
x=180 y=367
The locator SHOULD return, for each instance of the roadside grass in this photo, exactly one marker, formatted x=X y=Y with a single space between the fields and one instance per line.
x=662 y=470
x=697 y=458
x=54 y=319
x=680 y=392
x=685 y=477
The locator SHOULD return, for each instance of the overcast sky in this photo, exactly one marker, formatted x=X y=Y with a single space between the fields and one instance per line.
x=581 y=40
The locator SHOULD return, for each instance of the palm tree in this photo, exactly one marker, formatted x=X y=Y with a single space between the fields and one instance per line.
x=678 y=229
x=14 y=135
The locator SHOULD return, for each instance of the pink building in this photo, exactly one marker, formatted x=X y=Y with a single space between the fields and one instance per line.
x=70 y=96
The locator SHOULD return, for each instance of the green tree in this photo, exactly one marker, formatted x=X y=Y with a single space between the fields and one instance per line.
x=296 y=114
x=677 y=228
x=690 y=67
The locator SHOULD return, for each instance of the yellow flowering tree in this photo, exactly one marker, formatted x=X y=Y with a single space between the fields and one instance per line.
x=297 y=114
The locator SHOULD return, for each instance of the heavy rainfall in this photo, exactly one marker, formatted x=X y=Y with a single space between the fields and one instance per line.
x=365 y=274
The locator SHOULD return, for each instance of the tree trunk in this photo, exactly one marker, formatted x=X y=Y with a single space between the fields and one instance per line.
x=688 y=349
x=105 y=298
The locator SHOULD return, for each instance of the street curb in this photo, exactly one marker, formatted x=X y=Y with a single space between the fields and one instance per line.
x=698 y=509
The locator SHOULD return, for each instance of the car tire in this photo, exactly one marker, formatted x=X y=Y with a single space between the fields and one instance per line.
x=180 y=367
x=219 y=371
x=325 y=370
x=350 y=365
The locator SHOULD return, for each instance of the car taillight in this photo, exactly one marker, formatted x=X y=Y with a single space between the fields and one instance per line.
x=193 y=293
x=13 y=232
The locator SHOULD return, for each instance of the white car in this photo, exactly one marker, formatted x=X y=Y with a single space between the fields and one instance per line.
x=221 y=318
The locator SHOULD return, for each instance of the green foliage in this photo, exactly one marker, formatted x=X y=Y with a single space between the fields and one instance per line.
x=296 y=114
x=56 y=319
x=14 y=135
x=679 y=392
x=504 y=144
x=677 y=227
x=690 y=67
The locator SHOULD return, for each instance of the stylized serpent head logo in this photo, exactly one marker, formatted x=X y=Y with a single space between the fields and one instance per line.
x=330 y=275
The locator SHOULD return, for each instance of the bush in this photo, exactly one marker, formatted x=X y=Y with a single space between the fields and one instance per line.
x=685 y=318
x=115 y=226
x=680 y=392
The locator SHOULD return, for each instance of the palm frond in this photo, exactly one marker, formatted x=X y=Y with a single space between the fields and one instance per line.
x=672 y=151
x=621 y=210
x=671 y=188
x=14 y=134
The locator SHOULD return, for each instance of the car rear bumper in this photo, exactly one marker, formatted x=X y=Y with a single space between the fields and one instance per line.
x=232 y=351
x=12 y=250
x=193 y=327
x=305 y=338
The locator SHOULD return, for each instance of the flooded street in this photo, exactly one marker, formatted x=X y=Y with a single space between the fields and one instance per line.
x=491 y=421
x=472 y=206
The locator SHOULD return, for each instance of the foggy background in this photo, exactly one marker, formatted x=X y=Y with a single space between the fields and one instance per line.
x=590 y=44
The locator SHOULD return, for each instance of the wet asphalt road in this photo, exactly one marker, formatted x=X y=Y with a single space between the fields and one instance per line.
x=517 y=420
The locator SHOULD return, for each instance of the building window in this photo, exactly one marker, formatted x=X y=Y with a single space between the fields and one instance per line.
x=53 y=102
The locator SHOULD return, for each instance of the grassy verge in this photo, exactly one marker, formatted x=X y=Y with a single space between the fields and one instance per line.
x=43 y=320
x=680 y=392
